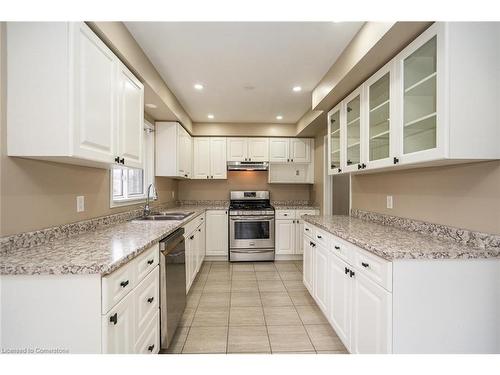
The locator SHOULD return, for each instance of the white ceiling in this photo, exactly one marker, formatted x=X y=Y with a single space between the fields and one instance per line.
x=228 y=58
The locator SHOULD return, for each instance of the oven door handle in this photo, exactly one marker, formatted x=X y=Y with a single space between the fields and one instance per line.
x=252 y=251
x=251 y=218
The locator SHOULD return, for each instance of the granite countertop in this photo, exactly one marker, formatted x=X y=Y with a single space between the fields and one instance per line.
x=95 y=252
x=392 y=243
x=291 y=206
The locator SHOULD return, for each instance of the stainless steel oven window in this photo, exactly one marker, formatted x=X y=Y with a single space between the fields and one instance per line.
x=252 y=230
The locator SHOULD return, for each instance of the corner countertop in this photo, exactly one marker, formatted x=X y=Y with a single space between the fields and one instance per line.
x=393 y=243
x=96 y=252
x=291 y=206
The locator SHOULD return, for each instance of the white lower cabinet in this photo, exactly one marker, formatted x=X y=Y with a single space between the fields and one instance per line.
x=371 y=317
x=217 y=233
x=194 y=234
x=339 y=308
x=118 y=328
x=308 y=265
x=359 y=309
x=289 y=231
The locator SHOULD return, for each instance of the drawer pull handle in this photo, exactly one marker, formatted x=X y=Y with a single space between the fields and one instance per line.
x=151 y=299
x=151 y=347
x=346 y=270
x=114 y=318
x=366 y=265
x=337 y=247
x=124 y=283
x=307 y=229
x=150 y=262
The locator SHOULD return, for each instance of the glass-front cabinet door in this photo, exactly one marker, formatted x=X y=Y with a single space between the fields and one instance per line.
x=380 y=112
x=334 y=146
x=352 y=131
x=420 y=66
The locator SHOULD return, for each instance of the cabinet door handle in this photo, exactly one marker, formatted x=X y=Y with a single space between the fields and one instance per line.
x=349 y=162
x=366 y=265
x=192 y=237
x=395 y=160
x=337 y=247
x=150 y=262
x=307 y=229
x=288 y=160
x=346 y=270
x=363 y=165
x=117 y=160
x=151 y=299
x=351 y=273
x=122 y=160
x=114 y=318
x=151 y=347
x=359 y=166
x=124 y=283
x=319 y=237
x=340 y=170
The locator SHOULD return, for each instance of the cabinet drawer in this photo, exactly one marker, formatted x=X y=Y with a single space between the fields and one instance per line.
x=309 y=230
x=117 y=285
x=193 y=224
x=342 y=249
x=146 y=262
x=146 y=297
x=375 y=268
x=149 y=341
x=322 y=238
x=285 y=214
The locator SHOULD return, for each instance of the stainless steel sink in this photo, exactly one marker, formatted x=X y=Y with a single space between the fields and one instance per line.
x=165 y=216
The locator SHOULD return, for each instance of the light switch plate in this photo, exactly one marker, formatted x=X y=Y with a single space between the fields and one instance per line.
x=80 y=203
x=389 y=201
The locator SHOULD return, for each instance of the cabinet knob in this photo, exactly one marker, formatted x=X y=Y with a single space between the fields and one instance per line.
x=207 y=176
x=114 y=318
x=150 y=262
x=151 y=299
x=363 y=165
x=346 y=270
x=396 y=160
x=151 y=347
x=307 y=229
x=359 y=166
x=124 y=283
x=319 y=236
x=199 y=229
x=249 y=159
x=351 y=273
x=288 y=160
x=122 y=160
x=117 y=160
x=291 y=160
x=366 y=265
x=340 y=170
x=349 y=162
x=192 y=237
x=337 y=247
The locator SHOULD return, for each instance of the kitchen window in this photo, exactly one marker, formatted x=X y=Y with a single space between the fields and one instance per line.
x=129 y=185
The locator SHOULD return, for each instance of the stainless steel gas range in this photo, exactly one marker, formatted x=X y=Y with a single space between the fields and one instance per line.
x=251 y=227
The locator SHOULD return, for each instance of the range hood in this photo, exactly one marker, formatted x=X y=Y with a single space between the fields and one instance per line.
x=247 y=165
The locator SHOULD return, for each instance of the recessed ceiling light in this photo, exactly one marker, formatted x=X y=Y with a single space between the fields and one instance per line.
x=297 y=88
x=279 y=117
x=210 y=116
x=198 y=86
x=150 y=105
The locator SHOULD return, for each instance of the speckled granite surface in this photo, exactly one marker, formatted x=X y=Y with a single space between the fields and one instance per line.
x=392 y=243
x=100 y=250
x=294 y=205
x=210 y=204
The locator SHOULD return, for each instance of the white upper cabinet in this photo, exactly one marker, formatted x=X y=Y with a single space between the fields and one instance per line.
x=279 y=150
x=247 y=149
x=351 y=126
x=237 y=149
x=209 y=158
x=218 y=161
x=173 y=150
x=130 y=117
x=380 y=142
x=418 y=109
x=201 y=158
x=87 y=105
x=258 y=149
x=290 y=150
x=336 y=152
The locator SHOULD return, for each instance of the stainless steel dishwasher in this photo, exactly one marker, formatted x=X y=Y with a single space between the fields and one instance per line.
x=172 y=284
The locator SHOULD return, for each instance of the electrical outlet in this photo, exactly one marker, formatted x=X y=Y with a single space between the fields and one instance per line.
x=80 y=203
x=389 y=201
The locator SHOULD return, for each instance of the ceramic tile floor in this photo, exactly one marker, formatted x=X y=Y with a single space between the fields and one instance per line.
x=253 y=308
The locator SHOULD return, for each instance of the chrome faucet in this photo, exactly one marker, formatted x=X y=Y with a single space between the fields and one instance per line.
x=147 y=209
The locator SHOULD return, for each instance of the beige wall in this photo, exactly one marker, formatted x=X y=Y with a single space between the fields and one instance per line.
x=240 y=180
x=244 y=129
x=319 y=165
x=465 y=196
x=36 y=194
